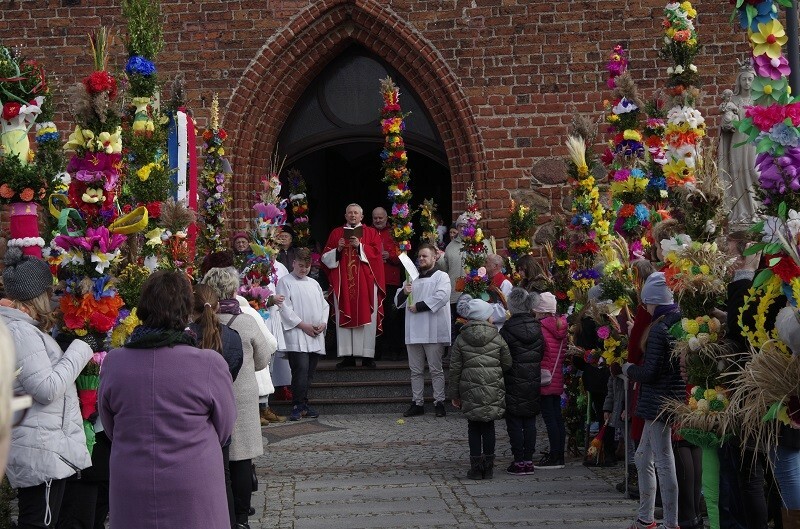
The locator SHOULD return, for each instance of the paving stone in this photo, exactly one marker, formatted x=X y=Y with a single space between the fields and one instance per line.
x=369 y=471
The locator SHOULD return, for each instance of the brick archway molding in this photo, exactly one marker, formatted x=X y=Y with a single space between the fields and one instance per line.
x=289 y=62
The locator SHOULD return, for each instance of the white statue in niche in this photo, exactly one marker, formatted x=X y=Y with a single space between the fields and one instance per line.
x=738 y=162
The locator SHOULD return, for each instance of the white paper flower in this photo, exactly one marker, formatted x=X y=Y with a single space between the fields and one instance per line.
x=679 y=69
x=675 y=244
x=670 y=70
x=693 y=68
x=793 y=223
x=694 y=345
x=710 y=227
x=624 y=106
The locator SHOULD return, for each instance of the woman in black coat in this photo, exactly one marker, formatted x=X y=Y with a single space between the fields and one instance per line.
x=523 y=335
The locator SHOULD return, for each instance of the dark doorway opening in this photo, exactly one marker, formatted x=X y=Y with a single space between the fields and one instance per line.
x=351 y=172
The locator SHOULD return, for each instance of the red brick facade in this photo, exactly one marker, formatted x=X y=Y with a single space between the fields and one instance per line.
x=500 y=78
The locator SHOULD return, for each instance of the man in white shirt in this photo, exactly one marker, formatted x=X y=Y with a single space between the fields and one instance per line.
x=426 y=301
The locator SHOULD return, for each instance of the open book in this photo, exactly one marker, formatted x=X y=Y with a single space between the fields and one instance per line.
x=357 y=232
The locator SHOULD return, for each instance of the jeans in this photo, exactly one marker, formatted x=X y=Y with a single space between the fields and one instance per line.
x=655 y=453
x=242 y=486
x=303 y=366
x=522 y=434
x=417 y=353
x=554 y=422
x=39 y=505
x=786 y=463
x=750 y=469
x=481 y=435
x=85 y=501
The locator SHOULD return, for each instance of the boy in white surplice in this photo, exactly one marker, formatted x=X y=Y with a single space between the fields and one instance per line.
x=304 y=313
x=427 y=304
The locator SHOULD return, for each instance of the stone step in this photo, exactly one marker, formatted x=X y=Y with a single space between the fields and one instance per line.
x=383 y=389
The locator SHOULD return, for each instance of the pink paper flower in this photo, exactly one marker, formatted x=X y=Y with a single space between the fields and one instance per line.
x=603 y=332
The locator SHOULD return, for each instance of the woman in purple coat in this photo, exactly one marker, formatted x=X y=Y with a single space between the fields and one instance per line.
x=168 y=408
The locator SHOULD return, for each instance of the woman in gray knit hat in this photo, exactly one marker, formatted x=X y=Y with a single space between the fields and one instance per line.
x=49 y=445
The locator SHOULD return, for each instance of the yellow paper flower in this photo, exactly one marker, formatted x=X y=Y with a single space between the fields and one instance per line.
x=769 y=39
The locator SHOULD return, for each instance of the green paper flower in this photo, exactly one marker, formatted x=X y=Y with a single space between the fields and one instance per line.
x=767 y=91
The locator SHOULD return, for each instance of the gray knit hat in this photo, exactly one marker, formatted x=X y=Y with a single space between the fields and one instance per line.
x=519 y=301
x=462 y=305
x=25 y=277
x=655 y=290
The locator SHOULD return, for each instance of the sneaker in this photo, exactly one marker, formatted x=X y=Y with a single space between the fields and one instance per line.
x=439 y=407
x=520 y=468
x=414 y=410
x=348 y=361
x=547 y=462
x=297 y=413
x=309 y=412
x=638 y=524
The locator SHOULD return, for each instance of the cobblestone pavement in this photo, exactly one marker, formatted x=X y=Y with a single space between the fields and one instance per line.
x=373 y=471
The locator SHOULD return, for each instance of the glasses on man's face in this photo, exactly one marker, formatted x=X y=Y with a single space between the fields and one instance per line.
x=20 y=405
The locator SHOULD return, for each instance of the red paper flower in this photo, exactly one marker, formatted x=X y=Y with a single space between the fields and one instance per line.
x=101 y=81
x=207 y=135
x=786 y=269
x=222 y=134
x=101 y=322
x=26 y=195
x=154 y=209
x=11 y=110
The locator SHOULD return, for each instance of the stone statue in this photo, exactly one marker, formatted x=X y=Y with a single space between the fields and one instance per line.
x=738 y=163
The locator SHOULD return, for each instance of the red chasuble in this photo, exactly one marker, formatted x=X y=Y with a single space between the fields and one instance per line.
x=353 y=280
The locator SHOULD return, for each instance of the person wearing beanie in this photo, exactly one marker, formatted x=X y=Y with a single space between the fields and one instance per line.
x=554 y=336
x=523 y=335
x=660 y=381
x=426 y=301
x=480 y=356
x=49 y=445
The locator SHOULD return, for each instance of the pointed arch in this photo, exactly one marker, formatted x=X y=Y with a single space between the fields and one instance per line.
x=289 y=62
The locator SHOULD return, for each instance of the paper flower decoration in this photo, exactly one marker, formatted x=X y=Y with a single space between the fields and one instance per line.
x=768 y=39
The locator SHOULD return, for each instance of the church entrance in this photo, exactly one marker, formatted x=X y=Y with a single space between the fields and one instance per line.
x=333 y=138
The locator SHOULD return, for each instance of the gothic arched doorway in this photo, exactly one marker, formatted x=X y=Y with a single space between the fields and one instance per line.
x=333 y=137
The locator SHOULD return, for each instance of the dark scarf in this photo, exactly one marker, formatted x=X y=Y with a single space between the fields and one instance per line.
x=144 y=337
x=229 y=306
x=662 y=310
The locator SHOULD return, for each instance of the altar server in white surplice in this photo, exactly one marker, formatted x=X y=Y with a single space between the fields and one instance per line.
x=427 y=304
x=304 y=314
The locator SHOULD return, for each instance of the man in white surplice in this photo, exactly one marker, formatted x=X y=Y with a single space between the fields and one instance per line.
x=427 y=303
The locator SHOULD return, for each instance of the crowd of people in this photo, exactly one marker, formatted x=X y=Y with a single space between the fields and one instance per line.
x=178 y=422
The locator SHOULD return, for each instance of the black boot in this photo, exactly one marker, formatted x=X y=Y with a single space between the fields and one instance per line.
x=476 y=467
x=488 y=466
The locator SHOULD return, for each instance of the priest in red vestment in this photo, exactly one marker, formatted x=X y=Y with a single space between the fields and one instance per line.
x=354 y=264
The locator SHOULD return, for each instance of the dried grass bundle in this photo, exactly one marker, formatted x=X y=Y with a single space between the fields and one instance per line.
x=581 y=127
x=175 y=216
x=626 y=87
x=770 y=376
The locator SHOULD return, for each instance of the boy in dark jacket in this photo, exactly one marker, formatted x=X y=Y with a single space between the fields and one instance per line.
x=523 y=335
x=479 y=358
x=660 y=380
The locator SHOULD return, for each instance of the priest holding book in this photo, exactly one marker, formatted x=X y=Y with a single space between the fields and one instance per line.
x=353 y=260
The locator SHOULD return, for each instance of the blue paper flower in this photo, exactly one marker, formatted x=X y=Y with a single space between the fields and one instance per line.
x=582 y=219
x=765 y=11
x=785 y=135
x=48 y=136
x=637 y=173
x=139 y=65
x=657 y=182
x=641 y=212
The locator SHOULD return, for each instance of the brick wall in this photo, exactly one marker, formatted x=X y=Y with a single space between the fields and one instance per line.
x=501 y=78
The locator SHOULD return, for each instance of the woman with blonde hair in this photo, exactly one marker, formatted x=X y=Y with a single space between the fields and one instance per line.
x=49 y=445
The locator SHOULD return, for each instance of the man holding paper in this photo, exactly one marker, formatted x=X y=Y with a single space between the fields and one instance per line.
x=352 y=259
x=426 y=299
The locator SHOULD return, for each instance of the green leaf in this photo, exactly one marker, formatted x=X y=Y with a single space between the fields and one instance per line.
x=773 y=248
x=754 y=249
x=762 y=277
x=774 y=261
x=757 y=228
x=773 y=411
x=782 y=210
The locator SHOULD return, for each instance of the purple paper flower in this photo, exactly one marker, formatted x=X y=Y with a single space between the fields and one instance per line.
x=785 y=135
x=772 y=68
